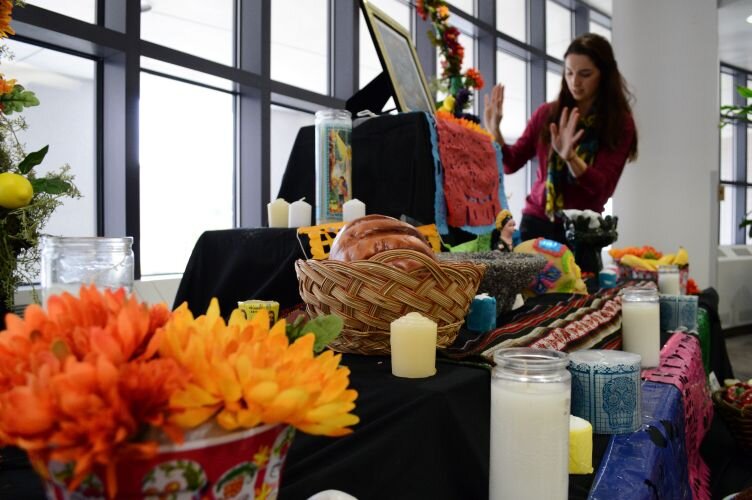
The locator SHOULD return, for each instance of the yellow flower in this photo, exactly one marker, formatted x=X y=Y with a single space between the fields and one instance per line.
x=6 y=8
x=244 y=374
x=261 y=457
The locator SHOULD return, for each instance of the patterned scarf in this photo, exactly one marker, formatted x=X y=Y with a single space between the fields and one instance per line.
x=558 y=172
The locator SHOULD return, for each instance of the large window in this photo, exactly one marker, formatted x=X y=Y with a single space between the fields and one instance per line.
x=185 y=122
x=735 y=163
x=187 y=169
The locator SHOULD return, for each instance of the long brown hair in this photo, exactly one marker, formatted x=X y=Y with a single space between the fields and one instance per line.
x=613 y=100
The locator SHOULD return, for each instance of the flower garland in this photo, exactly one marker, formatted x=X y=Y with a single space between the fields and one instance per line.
x=446 y=37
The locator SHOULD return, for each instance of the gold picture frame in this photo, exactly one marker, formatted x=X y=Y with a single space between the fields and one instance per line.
x=400 y=61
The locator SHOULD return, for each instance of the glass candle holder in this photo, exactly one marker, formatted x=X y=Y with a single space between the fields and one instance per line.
x=668 y=280
x=641 y=324
x=530 y=399
x=68 y=263
x=333 y=128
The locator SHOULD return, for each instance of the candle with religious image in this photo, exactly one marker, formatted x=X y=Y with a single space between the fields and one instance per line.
x=333 y=128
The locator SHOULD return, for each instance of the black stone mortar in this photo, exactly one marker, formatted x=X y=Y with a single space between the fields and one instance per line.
x=507 y=273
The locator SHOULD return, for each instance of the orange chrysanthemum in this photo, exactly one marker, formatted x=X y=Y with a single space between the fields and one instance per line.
x=79 y=381
x=245 y=374
x=6 y=86
x=6 y=9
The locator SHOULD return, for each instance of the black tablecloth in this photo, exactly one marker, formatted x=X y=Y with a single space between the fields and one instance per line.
x=241 y=264
x=418 y=438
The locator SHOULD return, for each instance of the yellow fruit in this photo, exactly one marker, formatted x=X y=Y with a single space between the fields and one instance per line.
x=636 y=262
x=15 y=190
x=666 y=260
x=682 y=257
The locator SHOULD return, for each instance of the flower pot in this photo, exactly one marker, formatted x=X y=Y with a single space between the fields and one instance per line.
x=241 y=465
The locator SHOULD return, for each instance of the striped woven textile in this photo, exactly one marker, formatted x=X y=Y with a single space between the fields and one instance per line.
x=576 y=322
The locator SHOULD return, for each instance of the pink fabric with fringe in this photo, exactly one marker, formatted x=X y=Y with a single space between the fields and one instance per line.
x=681 y=365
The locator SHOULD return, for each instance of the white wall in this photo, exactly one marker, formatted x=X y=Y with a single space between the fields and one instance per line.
x=668 y=52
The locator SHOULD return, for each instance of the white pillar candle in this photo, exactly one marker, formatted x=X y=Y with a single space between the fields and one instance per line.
x=641 y=325
x=353 y=209
x=276 y=212
x=413 y=346
x=300 y=214
x=529 y=434
x=668 y=280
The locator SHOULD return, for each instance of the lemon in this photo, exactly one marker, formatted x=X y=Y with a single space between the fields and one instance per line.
x=15 y=190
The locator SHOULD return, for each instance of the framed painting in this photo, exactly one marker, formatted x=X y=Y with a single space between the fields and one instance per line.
x=399 y=60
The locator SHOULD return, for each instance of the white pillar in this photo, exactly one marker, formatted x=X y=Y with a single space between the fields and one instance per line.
x=668 y=52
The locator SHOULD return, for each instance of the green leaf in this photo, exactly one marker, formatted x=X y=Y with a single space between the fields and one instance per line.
x=324 y=328
x=51 y=185
x=18 y=99
x=32 y=160
x=744 y=91
x=295 y=328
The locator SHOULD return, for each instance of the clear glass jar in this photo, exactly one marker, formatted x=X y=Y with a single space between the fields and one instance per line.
x=333 y=128
x=668 y=280
x=67 y=263
x=641 y=324
x=530 y=404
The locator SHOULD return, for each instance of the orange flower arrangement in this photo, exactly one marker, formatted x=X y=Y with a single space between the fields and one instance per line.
x=87 y=379
x=6 y=8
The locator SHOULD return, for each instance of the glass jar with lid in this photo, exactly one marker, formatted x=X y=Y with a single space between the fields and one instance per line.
x=530 y=405
x=69 y=262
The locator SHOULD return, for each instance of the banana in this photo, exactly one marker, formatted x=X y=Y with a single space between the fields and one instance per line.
x=666 y=260
x=636 y=262
x=682 y=257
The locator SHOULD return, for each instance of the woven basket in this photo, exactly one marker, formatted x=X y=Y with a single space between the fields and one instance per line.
x=369 y=294
x=739 y=420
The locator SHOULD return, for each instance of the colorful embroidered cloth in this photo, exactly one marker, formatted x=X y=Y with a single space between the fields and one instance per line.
x=469 y=177
x=578 y=322
x=681 y=365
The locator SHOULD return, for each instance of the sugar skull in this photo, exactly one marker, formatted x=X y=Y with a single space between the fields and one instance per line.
x=619 y=402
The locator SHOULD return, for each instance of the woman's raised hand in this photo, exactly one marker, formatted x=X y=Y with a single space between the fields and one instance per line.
x=565 y=136
x=493 y=111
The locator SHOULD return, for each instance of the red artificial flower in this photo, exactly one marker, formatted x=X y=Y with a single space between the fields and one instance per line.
x=420 y=7
x=474 y=78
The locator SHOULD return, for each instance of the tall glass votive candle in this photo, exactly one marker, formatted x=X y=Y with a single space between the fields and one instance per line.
x=530 y=399
x=333 y=128
x=69 y=262
x=641 y=324
x=668 y=280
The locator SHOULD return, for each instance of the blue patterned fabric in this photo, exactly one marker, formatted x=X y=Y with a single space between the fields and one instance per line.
x=652 y=461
